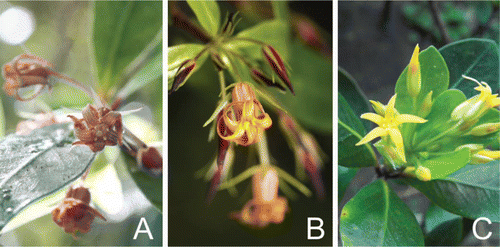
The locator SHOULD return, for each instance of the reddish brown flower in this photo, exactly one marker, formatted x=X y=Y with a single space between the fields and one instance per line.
x=98 y=128
x=74 y=213
x=25 y=71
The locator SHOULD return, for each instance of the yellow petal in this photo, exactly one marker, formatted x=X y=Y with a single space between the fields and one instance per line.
x=264 y=123
x=490 y=154
x=372 y=135
x=494 y=102
x=398 y=141
x=407 y=118
x=237 y=134
x=372 y=117
x=378 y=107
x=389 y=110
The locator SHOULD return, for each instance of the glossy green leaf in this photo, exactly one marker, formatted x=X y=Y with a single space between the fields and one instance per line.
x=180 y=53
x=472 y=191
x=476 y=58
x=446 y=164
x=121 y=31
x=345 y=177
x=275 y=33
x=43 y=162
x=376 y=216
x=208 y=15
x=442 y=228
x=350 y=131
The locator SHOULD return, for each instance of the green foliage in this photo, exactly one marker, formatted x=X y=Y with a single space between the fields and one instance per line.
x=345 y=177
x=377 y=217
x=442 y=228
x=43 y=162
x=208 y=15
x=121 y=31
x=472 y=192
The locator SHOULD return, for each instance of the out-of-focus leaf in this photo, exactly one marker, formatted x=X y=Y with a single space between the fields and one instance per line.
x=121 y=31
x=152 y=71
x=476 y=58
x=37 y=165
x=472 y=192
x=376 y=216
x=275 y=33
x=442 y=228
x=208 y=15
x=311 y=77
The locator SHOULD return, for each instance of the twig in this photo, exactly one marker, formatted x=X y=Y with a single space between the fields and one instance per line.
x=439 y=22
x=180 y=20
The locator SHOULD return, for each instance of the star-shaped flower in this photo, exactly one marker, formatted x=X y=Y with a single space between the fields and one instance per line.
x=486 y=96
x=388 y=125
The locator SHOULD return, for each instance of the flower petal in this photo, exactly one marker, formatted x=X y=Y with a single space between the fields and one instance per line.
x=397 y=138
x=372 y=135
x=390 y=110
x=372 y=117
x=407 y=118
x=378 y=107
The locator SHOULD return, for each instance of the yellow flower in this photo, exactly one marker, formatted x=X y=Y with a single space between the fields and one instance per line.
x=388 y=125
x=244 y=120
x=491 y=100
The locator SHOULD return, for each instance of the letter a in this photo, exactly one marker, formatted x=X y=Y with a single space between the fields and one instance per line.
x=143 y=231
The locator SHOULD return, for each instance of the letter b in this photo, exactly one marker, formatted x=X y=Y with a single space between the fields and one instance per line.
x=309 y=228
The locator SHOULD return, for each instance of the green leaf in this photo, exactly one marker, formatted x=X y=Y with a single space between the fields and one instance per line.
x=121 y=32
x=311 y=77
x=275 y=33
x=345 y=177
x=472 y=191
x=437 y=120
x=208 y=15
x=442 y=228
x=476 y=58
x=434 y=74
x=43 y=162
x=376 y=216
x=180 y=53
x=446 y=164
x=348 y=87
x=350 y=131
x=150 y=72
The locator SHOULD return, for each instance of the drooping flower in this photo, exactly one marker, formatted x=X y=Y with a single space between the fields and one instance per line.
x=244 y=120
x=266 y=206
x=389 y=125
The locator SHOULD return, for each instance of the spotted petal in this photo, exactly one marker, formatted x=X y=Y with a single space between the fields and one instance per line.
x=372 y=135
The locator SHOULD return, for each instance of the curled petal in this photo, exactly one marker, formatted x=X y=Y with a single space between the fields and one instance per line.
x=372 y=135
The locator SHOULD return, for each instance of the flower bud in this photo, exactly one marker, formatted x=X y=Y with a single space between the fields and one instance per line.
x=423 y=173
x=489 y=153
x=473 y=148
x=274 y=59
x=182 y=74
x=413 y=81
x=484 y=129
x=426 y=106
x=480 y=159
x=460 y=110
x=259 y=77
x=150 y=161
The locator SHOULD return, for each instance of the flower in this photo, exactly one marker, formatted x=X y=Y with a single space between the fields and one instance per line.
x=474 y=108
x=74 y=213
x=266 y=206
x=244 y=120
x=388 y=125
